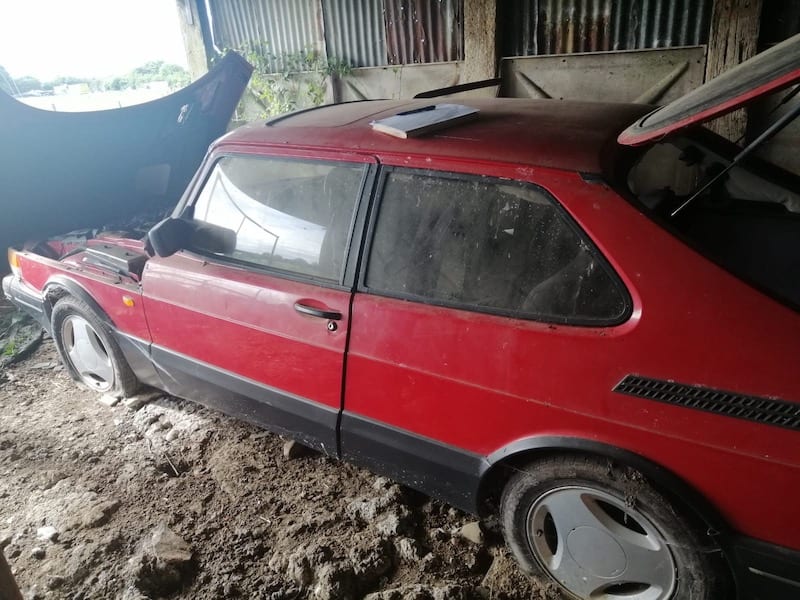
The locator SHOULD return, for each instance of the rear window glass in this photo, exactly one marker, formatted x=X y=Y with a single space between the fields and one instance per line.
x=490 y=244
x=747 y=221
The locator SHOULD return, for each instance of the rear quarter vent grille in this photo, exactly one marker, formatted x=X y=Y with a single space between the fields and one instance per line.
x=750 y=408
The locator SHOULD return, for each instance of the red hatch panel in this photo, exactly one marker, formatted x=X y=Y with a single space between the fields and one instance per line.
x=770 y=71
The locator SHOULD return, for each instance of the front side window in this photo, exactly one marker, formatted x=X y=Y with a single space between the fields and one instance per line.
x=289 y=215
x=490 y=244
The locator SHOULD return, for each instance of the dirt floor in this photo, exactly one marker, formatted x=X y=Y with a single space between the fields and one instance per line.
x=158 y=497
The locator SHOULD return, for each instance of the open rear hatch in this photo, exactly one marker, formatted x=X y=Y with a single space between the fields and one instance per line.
x=770 y=71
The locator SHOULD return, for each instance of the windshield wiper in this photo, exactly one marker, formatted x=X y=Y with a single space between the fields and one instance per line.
x=746 y=151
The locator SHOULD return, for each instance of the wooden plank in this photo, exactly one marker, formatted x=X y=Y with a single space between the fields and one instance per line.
x=480 y=40
x=733 y=39
x=420 y=121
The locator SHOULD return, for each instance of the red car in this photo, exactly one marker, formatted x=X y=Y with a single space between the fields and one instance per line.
x=597 y=338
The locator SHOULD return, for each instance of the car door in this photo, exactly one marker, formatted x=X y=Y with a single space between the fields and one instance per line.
x=479 y=296
x=258 y=329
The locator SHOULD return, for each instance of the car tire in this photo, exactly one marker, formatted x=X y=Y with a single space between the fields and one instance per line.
x=88 y=349
x=598 y=529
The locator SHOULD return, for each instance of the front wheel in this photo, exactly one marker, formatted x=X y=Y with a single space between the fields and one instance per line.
x=89 y=351
x=599 y=530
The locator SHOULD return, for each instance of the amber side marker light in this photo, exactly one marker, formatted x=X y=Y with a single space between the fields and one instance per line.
x=13 y=261
x=128 y=301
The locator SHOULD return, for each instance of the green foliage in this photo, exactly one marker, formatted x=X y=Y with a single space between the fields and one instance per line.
x=157 y=70
x=10 y=348
x=65 y=81
x=5 y=81
x=175 y=75
x=27 y=84
x=290 y=81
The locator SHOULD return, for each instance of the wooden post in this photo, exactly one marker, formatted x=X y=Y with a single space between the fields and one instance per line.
x=733 y=39
x=480 y=40
x=8 y=587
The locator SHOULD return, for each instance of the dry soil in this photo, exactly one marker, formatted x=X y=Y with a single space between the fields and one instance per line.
x=160 y=497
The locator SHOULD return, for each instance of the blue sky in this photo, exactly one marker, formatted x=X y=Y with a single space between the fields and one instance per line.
x=87 y=38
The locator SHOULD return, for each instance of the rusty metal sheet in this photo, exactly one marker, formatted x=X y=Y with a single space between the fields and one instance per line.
x=539 y=27
x=279 y=28
x=355 y=31
x=360 y=32
x=424 y=31
x=644 y=76
x=63 y=171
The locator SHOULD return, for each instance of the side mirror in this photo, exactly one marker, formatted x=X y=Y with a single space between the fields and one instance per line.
x=171 y=235
x=212 y=238
x=168 y=236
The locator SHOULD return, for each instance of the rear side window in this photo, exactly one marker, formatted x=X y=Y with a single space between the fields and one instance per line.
x=289 y=215
x=488 y=244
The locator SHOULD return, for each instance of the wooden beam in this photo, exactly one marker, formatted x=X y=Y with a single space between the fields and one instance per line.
x=733 y=38
x=480 y=40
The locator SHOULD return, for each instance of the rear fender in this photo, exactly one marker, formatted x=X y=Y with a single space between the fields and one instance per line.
x=520 y=452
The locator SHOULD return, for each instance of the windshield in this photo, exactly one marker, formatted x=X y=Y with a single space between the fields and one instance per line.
x=748 y=221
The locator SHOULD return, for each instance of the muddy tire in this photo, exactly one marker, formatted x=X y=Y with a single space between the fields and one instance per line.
x=88 y=350
x=600 y=529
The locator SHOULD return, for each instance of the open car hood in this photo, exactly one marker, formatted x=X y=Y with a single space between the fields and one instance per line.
x=60 y=171
x=777 y=68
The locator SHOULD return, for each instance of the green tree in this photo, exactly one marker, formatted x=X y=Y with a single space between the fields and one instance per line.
x=118 y=83
x=155 y=70
x=27 y=83
x=6 y=83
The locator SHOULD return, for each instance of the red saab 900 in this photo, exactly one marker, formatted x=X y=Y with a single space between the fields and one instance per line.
x=582 y=316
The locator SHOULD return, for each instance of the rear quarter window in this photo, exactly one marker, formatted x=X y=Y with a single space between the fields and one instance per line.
x=491 y=245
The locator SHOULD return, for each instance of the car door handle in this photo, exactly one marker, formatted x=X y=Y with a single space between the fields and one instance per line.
x=331 y=315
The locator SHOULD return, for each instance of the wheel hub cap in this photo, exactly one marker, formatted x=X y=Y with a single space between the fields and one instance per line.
x=596 y=552
x=598 y=546
x=87 y=353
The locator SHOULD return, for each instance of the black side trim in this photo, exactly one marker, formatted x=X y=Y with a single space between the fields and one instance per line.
x=448 y=473
x=751 y=408
x=25 y=299
x=766 y=571
x=137 y=353
x=310 y=423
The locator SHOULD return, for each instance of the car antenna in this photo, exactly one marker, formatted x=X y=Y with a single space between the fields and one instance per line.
x=746 y=151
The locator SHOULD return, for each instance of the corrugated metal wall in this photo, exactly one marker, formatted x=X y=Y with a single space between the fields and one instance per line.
x=284 y=26
x=535 y=27
x=424 y=31
x=355 y=31
x=364 y=33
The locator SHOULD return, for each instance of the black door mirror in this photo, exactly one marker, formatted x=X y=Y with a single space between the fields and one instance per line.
x=171 y=235
x=216 y=239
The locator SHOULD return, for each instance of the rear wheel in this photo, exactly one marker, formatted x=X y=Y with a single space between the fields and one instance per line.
x=599 y=530
x=89 y=351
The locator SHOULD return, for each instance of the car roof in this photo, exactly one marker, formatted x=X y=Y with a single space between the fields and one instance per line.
x=570 y=135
